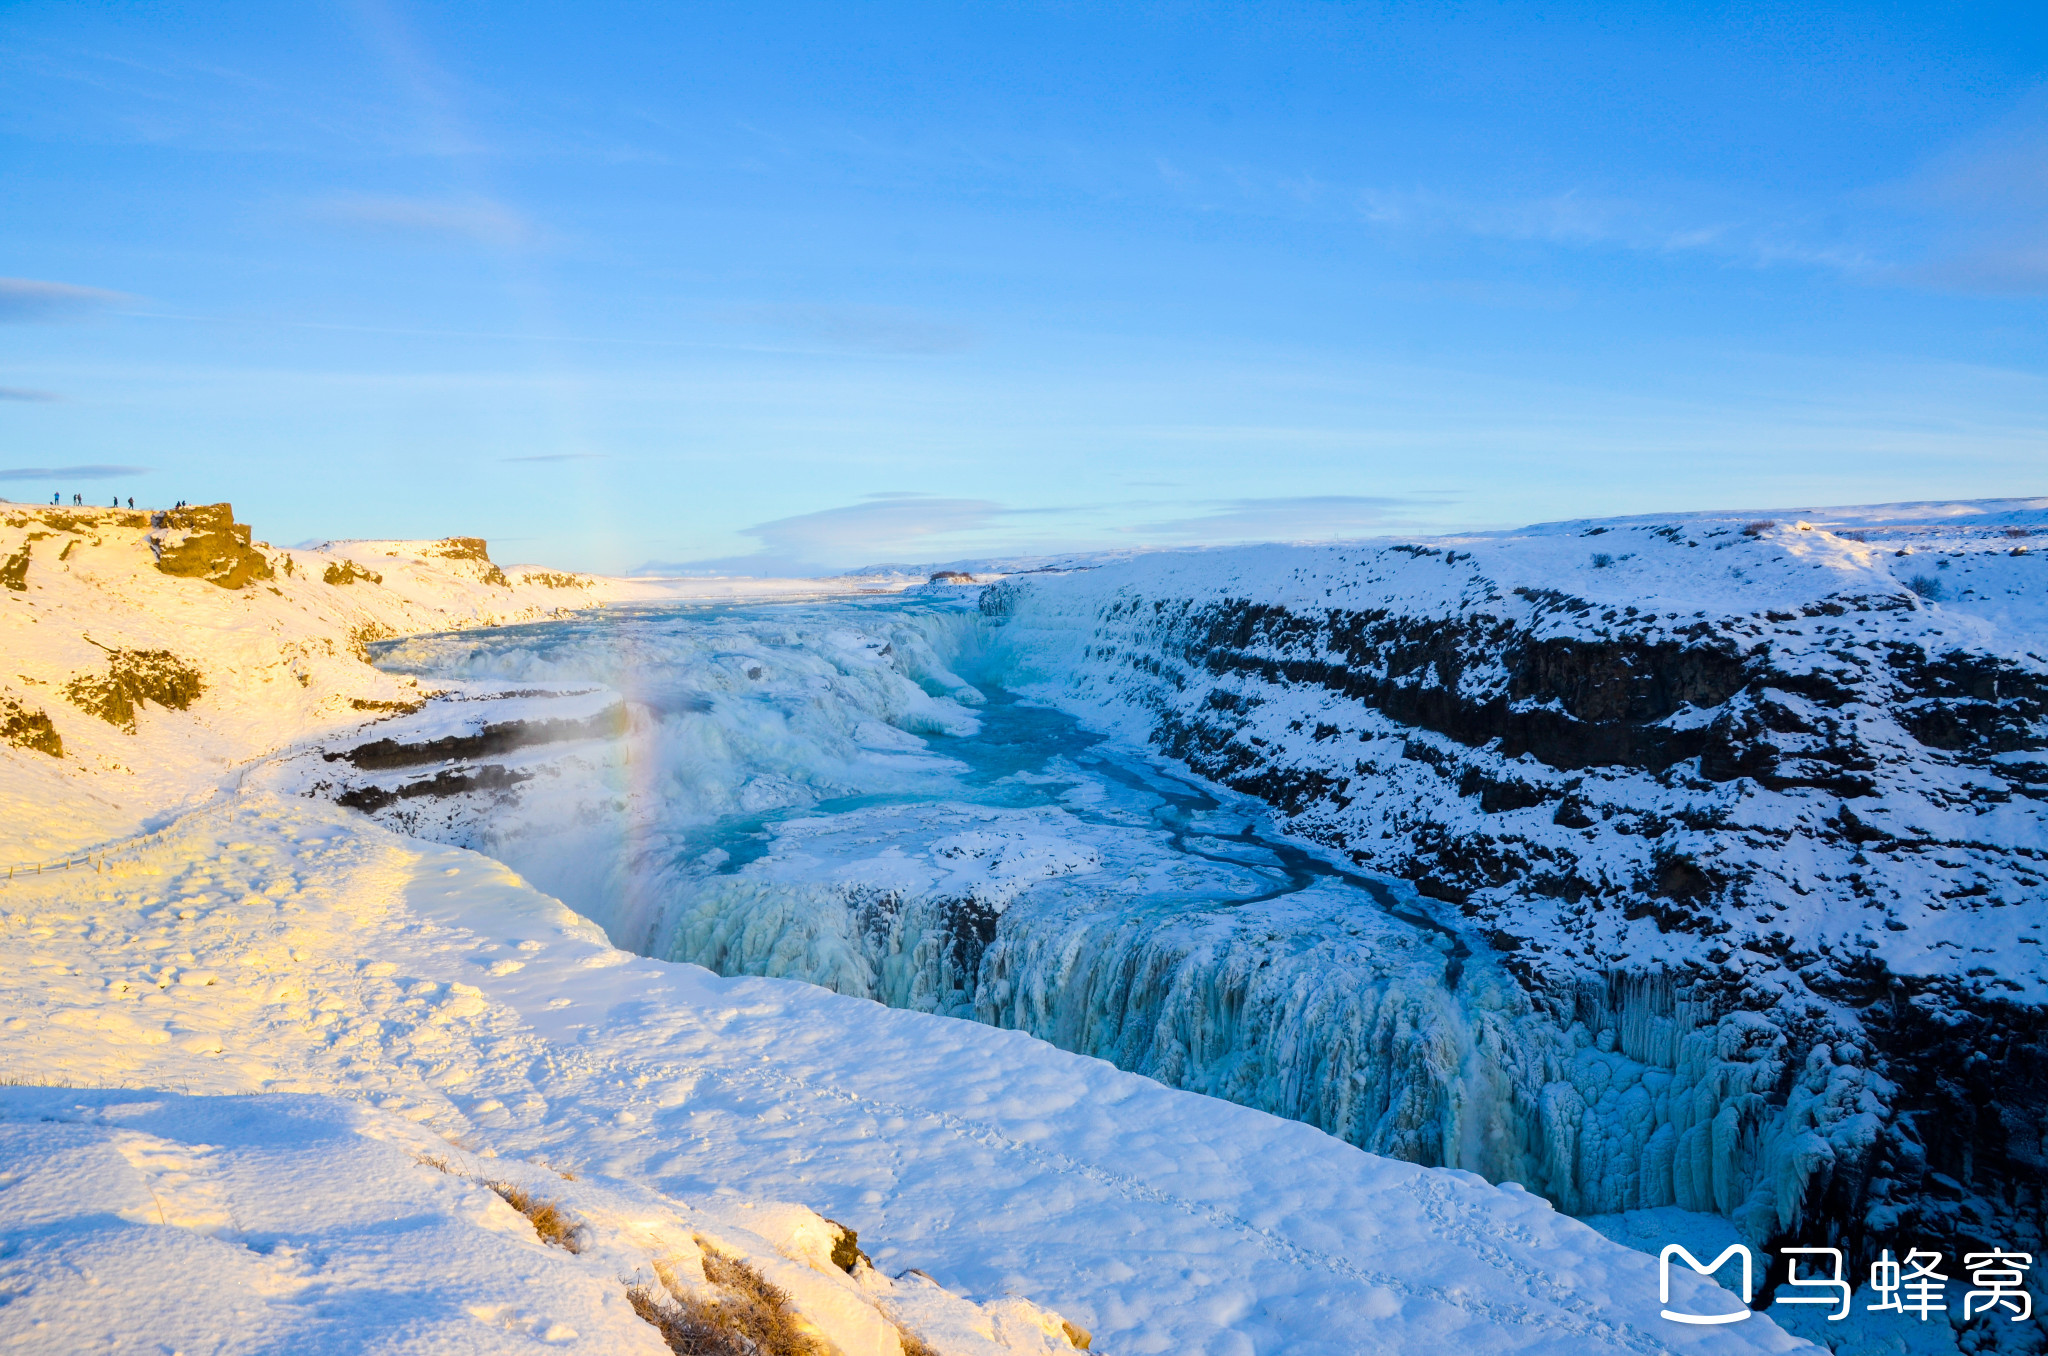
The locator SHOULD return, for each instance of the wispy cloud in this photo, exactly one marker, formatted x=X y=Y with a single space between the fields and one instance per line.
x=2012 y=270
x=884 y=524
x=474 y=219
x=30 y=300
x=557 y=456
x=1316 y=517
x=1585 y=220
x=1985 y=202
x=924 y=528
x=24 y=393
x=88 y=472
x=879 y=329
x=881 y=527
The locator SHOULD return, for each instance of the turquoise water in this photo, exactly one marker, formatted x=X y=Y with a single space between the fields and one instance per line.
x=1006 y=751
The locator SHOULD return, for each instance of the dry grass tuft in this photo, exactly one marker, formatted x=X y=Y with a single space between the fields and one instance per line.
x=1757 y=528
x=547 y=1218
x=1927 y=586
x=913 y=1345
x=846 y=1253
x=751 y=1317
x=690 y=1326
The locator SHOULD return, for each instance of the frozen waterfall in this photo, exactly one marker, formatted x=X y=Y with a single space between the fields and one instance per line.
x=855 y=795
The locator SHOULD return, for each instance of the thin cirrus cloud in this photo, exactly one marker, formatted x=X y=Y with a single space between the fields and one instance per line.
x=1969 y=220
x=914 y=527
x=27 y=301
x=1999 y=270
x=882 y=526
x=1316 y=517
x=1578 y=220
x=886 y=523
x=24 y=393
x=555 y=456
x=68 y=473
x=1986 y=202
x=470 y=219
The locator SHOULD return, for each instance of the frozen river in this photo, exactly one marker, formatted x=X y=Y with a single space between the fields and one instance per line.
x=851 y=793
x=896 y=799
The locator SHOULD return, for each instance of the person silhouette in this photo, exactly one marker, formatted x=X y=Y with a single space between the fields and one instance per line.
x=131 y=501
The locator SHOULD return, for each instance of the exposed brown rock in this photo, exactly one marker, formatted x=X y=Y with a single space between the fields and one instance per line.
x=205 y=542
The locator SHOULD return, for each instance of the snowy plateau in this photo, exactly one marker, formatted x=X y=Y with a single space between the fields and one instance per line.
x=1242 y=950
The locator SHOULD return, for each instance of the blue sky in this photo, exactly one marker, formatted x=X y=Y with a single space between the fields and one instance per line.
x=775 y=286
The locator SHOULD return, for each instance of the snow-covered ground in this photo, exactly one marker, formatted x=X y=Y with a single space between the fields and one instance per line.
x=277 y=946
x=418 y=1022
x=146 y=1220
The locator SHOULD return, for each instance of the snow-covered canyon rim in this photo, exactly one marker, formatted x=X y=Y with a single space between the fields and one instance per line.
x=1686 y=861
x=1751 y=806
x=456 y=1077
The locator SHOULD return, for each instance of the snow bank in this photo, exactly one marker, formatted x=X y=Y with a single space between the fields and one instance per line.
x=283 y=946
x=147 y=1219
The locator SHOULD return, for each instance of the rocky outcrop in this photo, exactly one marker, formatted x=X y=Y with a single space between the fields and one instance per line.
x=494 y=739
x=205 y=542
x=471 y=549
x=27 y=727
x=447 y=782
x=133 y=679
x=14 y=569
x=344 y=572
x=554 y=579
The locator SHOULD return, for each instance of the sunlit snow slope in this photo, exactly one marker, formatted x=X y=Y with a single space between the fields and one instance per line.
x=153 y=655
x=285 y=947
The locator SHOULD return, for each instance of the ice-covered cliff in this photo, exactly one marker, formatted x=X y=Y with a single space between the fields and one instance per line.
x=1750 y=806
